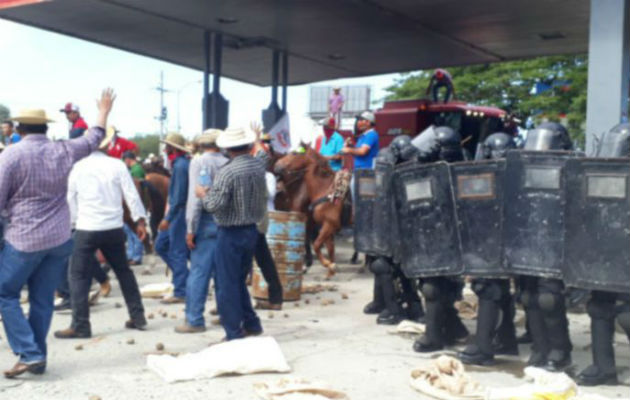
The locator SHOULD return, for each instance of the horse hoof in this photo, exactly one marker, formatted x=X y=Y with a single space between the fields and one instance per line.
x=332 y=270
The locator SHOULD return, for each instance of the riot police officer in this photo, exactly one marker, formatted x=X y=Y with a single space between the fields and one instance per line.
x=442 y=323
x=602 y=306
x=395 y=296
x=543 y=298
x=495 y=299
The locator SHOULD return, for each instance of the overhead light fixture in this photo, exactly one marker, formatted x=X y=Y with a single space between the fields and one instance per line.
x=227 y=20
x=551 y=35
x=336 y=56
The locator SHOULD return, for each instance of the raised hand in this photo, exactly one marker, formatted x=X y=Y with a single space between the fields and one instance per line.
x=104 y=105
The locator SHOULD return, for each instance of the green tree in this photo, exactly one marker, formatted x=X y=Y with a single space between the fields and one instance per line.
x=147 y=143
x=4 y=112
x=509 y=85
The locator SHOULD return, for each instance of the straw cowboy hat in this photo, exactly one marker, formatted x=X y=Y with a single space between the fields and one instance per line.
x=235 y=137
x=32 y=117
x=176 y=140
x=110 y=133
x=209 y=136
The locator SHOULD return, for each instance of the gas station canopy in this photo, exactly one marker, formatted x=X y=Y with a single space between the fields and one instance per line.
x=325 y=39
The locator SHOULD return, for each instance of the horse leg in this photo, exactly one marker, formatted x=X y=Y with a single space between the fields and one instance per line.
x=325 y=233
x=330 y=247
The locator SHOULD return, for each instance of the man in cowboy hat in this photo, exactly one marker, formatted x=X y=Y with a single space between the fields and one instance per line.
x=33 y=186
x=201 y=236
x=77 y=123
x=237 y=200
x=119 y=145
x=97 y=186
x=170 y=243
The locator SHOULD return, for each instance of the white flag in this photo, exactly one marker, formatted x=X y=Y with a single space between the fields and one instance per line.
x=280 y=135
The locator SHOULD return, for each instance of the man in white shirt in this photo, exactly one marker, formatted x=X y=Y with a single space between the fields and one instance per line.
x=96 y=188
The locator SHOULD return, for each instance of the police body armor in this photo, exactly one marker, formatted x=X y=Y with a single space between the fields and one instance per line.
x=429 y=241
x=598 y=216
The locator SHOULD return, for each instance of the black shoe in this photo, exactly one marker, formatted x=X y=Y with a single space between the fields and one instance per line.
x=388 y=318
x=525 y=338
x=373 y=308
x=139 y=324
x=505 y=350
x=421 y=346
x=64 y=305
x=593 y=376
x=71 y=333
x=537 y=359
x=472 y=355
x=558 y=365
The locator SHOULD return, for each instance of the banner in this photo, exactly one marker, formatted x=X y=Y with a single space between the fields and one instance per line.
x=280 y=135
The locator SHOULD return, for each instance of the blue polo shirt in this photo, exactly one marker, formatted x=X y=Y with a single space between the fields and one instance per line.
x=332 y=147
x=368 y=138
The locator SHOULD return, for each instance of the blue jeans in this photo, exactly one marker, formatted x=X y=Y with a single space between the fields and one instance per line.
x=200 y=270
x=232 y=261
x=171 y=246
x=41 y=271
x=135 y=248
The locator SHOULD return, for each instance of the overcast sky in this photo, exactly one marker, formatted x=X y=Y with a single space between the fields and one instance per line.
x=41 y=69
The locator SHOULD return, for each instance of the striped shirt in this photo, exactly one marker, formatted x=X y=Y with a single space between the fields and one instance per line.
x=33 y=186
x=239 y=193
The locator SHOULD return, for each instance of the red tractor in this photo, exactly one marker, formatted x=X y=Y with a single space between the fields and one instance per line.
x=411 y=117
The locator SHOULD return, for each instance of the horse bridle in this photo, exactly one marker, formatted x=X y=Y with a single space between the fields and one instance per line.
x=295 y=175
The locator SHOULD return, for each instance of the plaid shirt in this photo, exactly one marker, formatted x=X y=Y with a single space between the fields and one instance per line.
x=239 y=194
x=33 y=185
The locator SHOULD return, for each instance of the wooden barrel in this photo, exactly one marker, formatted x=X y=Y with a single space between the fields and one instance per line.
x=285 y=237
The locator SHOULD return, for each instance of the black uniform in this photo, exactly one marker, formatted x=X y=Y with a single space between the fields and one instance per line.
x=395 y=296
x=603 y=307
x=543 y=299
x=495 y=300
x=442 y=323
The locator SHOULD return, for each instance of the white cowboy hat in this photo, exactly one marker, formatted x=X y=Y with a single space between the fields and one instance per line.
x=32 y=117
x=110 y=132
x=235 y=137
x=176 y=140
x=209 y=136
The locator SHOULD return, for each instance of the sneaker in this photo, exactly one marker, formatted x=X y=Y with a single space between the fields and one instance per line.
x=173 y=300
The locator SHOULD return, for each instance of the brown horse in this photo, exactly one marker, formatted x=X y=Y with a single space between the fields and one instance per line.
x=153 y=192
x=317 y=179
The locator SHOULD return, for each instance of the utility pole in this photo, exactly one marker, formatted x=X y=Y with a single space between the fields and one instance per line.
x=163 y=112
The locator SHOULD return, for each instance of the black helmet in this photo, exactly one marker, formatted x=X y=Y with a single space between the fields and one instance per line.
x=496 y=146
x=615 y=142
x=403 y=149
x=386 y=156
x=449 y=141
x=548 y=136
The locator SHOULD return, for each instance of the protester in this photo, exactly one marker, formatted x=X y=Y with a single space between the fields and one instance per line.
x=10 y=136
x=77 y=123
x=135 y=168
x=441 y=79
x=33 y=186
x=96 y=188
x=330 y=144
x=366 y=147
x=201 y=236
x=135 y=248
x=98 y=273
x=237 y=200
x=119 y=145
x=170 y=243
x=335 y=105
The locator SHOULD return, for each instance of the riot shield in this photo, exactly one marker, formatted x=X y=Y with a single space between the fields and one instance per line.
x=534 y=212
x=478 y=190
x=364 y=199
x=385 y=226
x=597 y=255
x=429 y=242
